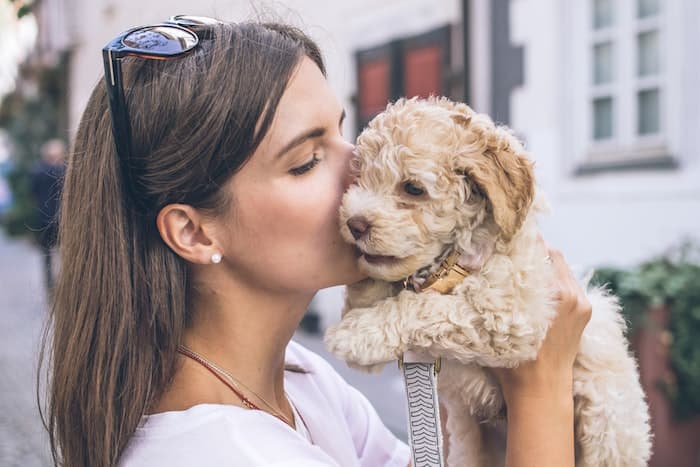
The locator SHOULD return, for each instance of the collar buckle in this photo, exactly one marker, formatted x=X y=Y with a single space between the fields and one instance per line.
x=447 y=276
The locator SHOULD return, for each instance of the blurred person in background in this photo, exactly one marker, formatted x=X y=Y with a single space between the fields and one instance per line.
x=190 y=256
x=46 y=179
x=5 y=193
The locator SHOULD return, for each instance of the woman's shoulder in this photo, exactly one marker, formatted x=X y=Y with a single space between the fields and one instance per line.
x=214 y=434
x=226 y=435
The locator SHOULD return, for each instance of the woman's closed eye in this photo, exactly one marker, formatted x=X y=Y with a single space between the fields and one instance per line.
x=302 y=169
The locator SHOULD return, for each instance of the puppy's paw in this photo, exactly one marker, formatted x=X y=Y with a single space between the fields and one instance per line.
x=371 y=369
x=366 y=347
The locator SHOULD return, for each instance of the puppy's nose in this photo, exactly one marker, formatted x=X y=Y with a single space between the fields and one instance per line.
x=358 y=226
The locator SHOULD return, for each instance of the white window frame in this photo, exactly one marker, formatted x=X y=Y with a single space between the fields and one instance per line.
x=626 y=149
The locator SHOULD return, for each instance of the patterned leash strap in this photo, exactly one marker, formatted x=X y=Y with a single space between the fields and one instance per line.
x=425 y=435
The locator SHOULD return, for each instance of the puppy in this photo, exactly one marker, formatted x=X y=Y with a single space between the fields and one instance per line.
x=437 y=182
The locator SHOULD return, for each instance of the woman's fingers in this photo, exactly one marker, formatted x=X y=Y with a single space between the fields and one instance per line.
x=570 y=296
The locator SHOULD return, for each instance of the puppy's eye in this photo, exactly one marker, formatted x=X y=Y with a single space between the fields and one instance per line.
x=476 y=192
x=412 y=189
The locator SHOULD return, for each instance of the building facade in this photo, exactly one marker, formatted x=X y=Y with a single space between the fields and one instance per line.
x=603 y=92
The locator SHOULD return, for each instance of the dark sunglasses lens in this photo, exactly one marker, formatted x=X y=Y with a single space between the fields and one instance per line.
x=161 y=39
x=189 y=20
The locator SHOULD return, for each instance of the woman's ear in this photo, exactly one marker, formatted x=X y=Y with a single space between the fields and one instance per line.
x=183 y=229
x=495 y=161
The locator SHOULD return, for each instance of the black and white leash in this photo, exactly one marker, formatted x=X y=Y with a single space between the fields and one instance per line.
x=424 y=429
x=420 y=373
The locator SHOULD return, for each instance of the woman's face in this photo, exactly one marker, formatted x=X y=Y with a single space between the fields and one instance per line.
x=282 y=231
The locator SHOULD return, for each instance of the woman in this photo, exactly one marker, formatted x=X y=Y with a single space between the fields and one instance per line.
x=191 y=254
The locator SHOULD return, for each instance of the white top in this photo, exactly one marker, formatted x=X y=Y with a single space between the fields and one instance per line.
x=345 y=429
x=300 y=424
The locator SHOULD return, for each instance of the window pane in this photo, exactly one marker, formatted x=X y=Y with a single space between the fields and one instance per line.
x=602 y=13
x=648 y=108
x=602 y=63
x=648 y=53
x=603 y=118
x=423 y=69
x=373 y=86
x=647 y=8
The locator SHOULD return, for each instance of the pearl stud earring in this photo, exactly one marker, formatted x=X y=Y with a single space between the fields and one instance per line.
x=216 y=258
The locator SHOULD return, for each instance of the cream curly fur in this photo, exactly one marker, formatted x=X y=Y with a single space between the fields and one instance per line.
x=478 y=195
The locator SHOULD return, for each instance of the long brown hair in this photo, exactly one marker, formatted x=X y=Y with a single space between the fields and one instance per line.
x=121 y=300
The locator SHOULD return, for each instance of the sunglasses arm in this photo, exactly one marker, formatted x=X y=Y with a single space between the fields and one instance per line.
x=121 y=129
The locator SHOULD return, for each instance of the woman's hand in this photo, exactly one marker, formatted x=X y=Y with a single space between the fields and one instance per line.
x=539 y=394
x=554 y=363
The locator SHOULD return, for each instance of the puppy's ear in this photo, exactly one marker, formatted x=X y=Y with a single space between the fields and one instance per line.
x=494 y=160
x=461 y=119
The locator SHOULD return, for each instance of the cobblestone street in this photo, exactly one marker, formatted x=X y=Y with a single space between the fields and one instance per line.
x=23 y=441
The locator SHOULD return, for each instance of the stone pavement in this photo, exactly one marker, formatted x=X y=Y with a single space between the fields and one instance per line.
x=23 y=441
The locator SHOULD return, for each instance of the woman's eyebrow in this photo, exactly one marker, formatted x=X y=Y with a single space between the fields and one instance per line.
x=308 y=134
x=300 y=139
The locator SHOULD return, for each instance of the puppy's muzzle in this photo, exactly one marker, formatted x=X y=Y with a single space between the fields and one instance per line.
x=359 y=227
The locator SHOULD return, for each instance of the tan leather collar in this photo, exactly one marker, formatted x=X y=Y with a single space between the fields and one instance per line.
x=444 y=279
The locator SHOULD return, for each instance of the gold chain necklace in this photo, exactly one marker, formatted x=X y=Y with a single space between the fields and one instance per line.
x=198 y=357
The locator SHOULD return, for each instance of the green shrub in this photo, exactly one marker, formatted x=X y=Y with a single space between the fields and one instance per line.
x=674 y=281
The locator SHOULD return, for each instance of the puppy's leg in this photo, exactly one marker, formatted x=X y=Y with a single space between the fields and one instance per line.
x=612 y=420
x=361 y=295
x=441 y=324
x=465 y=441
x=466 y=447
x=366 y=337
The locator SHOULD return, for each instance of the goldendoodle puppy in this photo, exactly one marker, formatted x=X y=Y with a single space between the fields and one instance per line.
x=438 y=183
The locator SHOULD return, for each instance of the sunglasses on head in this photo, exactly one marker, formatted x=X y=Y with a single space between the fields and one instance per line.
x=170 y=39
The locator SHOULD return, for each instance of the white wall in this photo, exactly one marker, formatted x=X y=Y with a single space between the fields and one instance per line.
x=616 y=218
